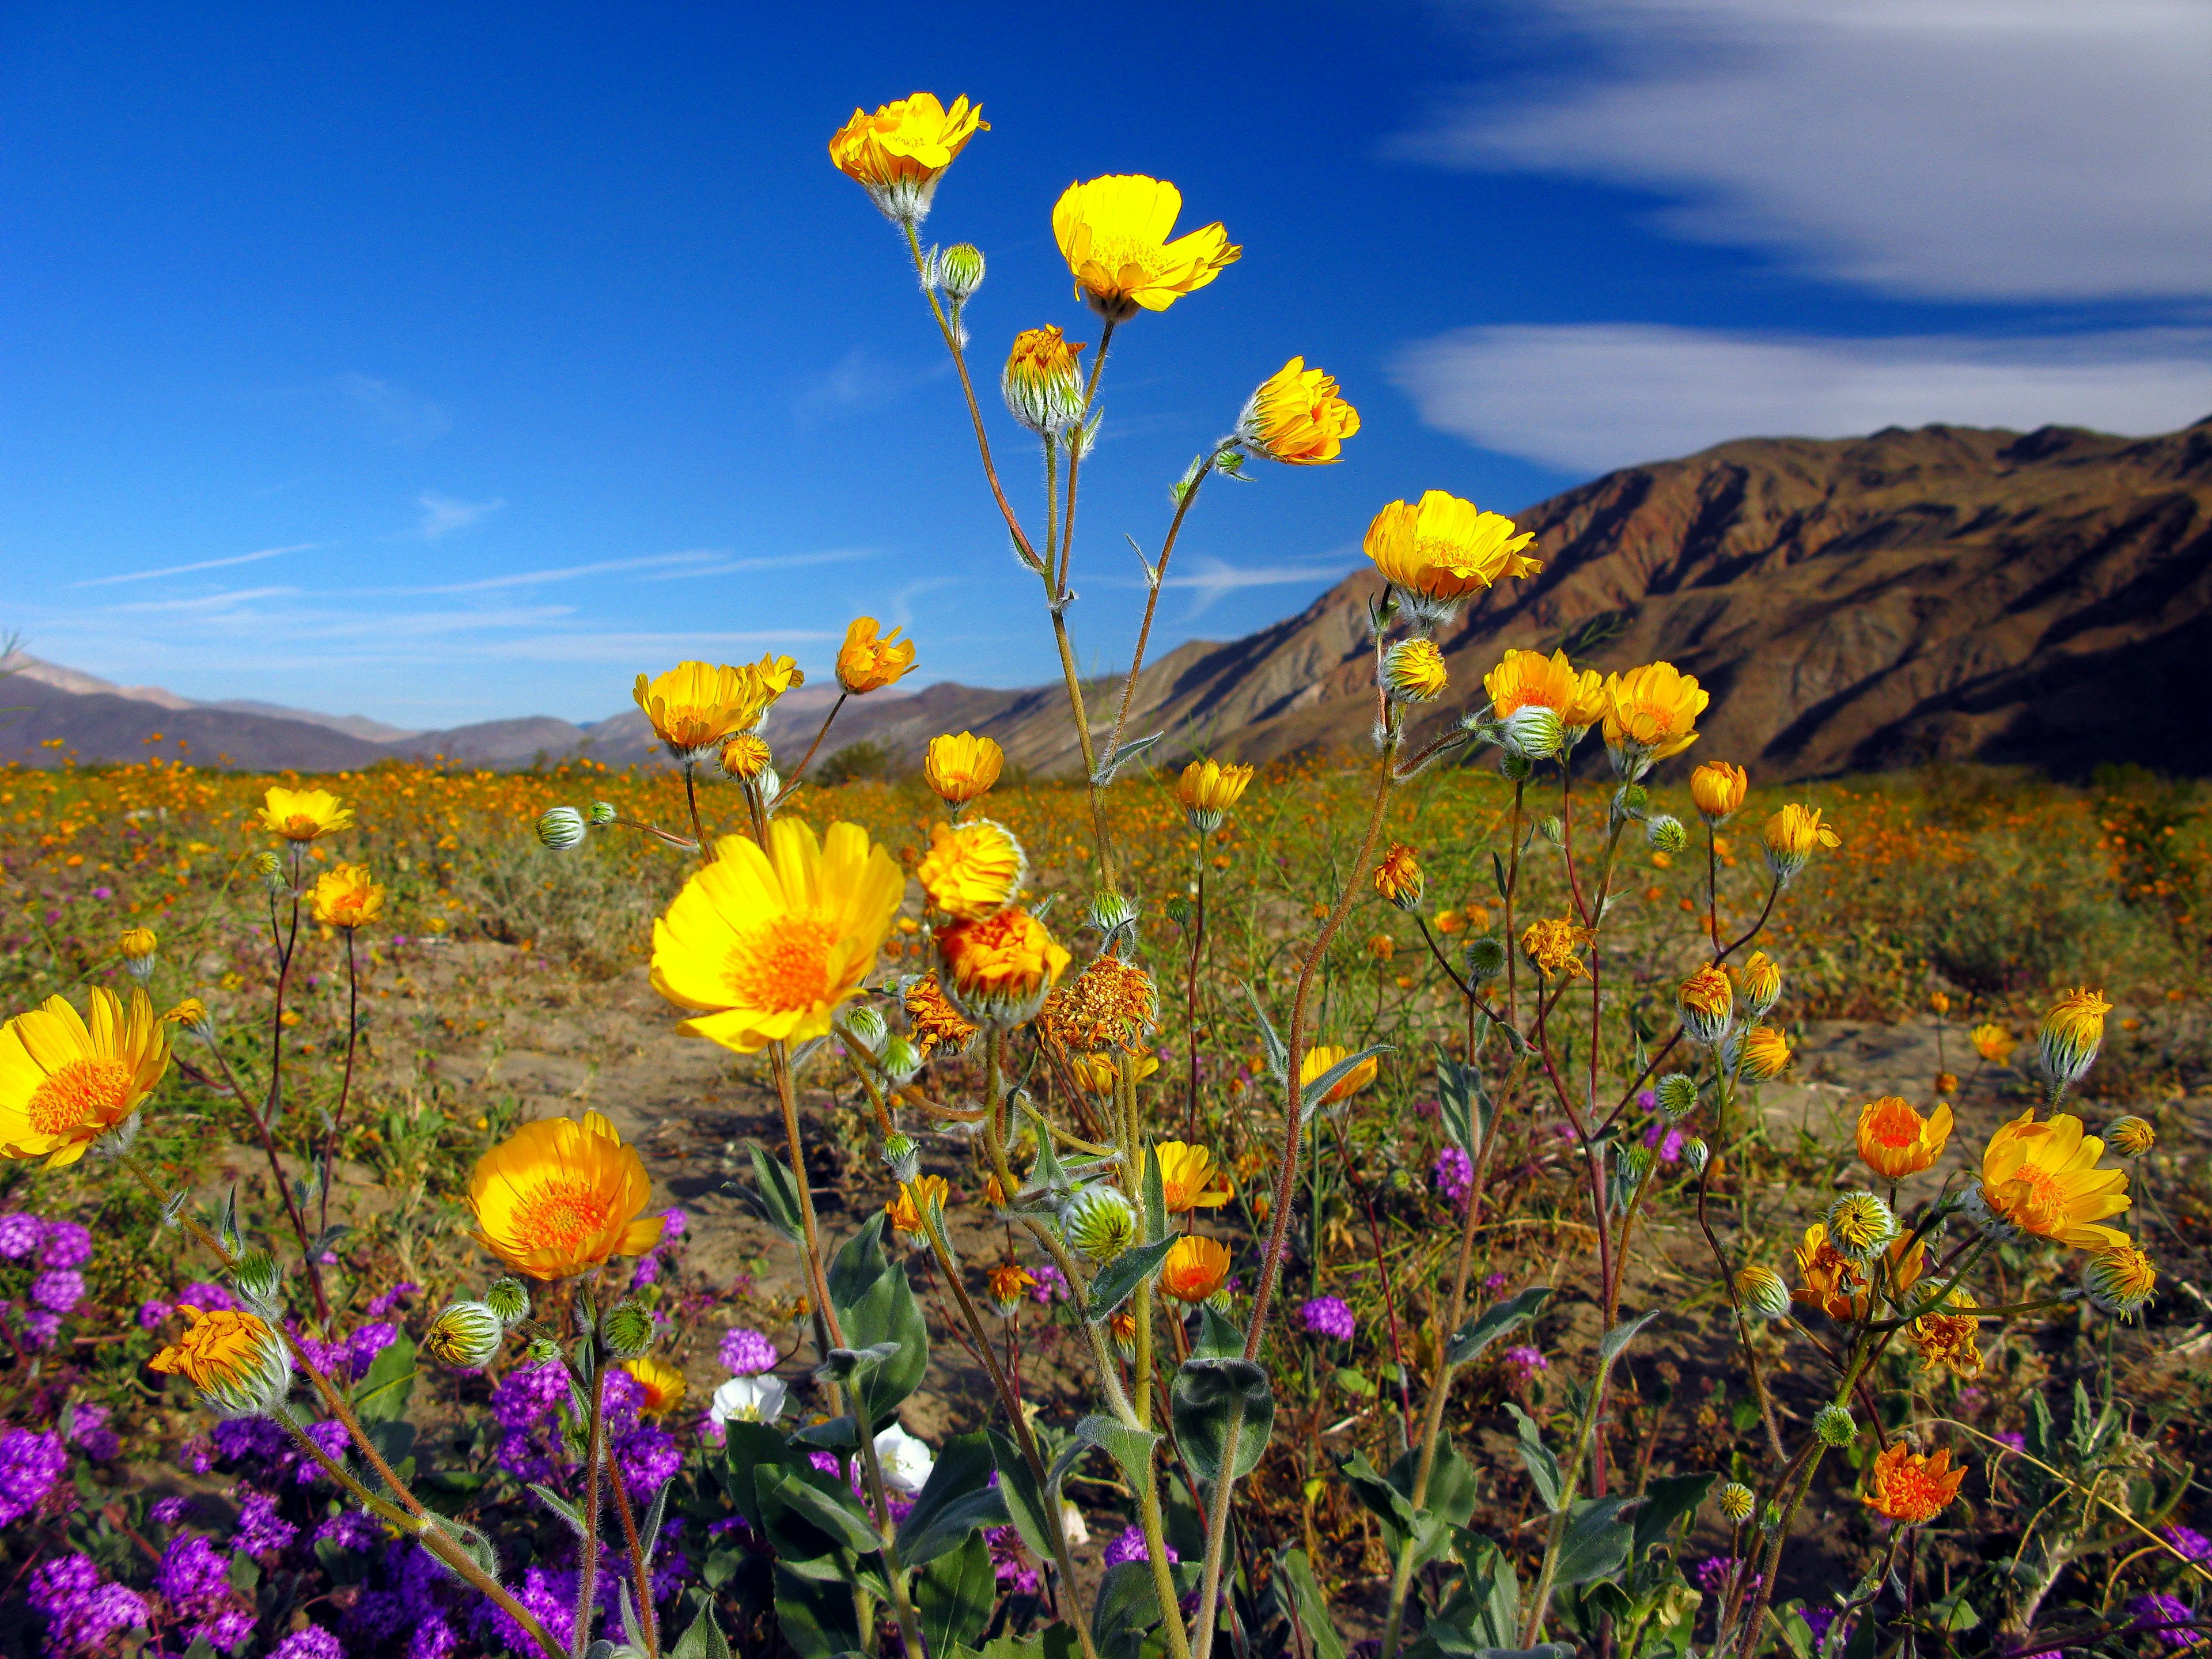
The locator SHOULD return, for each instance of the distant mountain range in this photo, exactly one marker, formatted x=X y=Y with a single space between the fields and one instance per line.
x=1852 y=604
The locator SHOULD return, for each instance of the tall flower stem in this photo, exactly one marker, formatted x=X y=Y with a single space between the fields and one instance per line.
x=1075 y=455
x=805 y=760
x=345 y=1086
x=698 y=829
x=587 y=1567
x=1141 y=1369
x=1157 y=573
x=1190 y=982
x=287 y=949
x=640 y=1566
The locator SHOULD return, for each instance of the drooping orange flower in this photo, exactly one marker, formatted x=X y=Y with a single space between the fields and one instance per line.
x=898 y=154
x=1896 y=1141
x=1298 y=418
x=1911 y=1487
x=1190 y=1179
x=908 y=1209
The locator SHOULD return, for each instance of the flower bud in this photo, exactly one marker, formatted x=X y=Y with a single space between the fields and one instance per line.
x=1638 y=1161
x=2120 y=1281
x=509 y=1301
x=260 y=1281
x=1759 y=983
x=1678 y=1096
x=1769 y=1518
x=561 y=830
x=1737 y=1502
x=1834 y=1425
x=543 y=1350
x=465 y=1337
x=138 y=946
x=901 y=1157
x=270 y=869
x=1486 y=957
x=1760 y=1292
x=1042 y=383
x=960 y=270
x=1100 y=1222
x=1515 y=768
x=1555 y=830
x=745 y=756
x=900 y=1060
x=1413 y=671
x=1534 y=732
x=866 y=1027
x=1399 y=878
x=1629 y=803
x=1696 y=1155
x=238 y=1364
x=1110 y=913
x=1179 y=909
x=1666 y=835
x=768 y=784
x=601 y=812
x=627 y=1331
x=2129 y=1136
x=1861 y=1226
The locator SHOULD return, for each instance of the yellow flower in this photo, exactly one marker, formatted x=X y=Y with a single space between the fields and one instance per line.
x=1529 y=679
x=1652 y=713
x=1097 y=1074
x=1042 y=383
x=1792 y=835
x=898 y=154
x=935 y=1022
x=907 y=1210
x=1759 y=983
x=1112 y=232
x=1718 y=789
x=1448 y=922
x=1322 y=1055
x=1382 y=946
x=1912 y=1488
x=1555 y=946
x=1194 y=1268
x=138 y=944
x=346 y=898
x=745 y=756
x=1766 y=1054
x=696 y=706
x=1207 y=790
x=1189 y=1178
x=1706 y=1002
x=2041 y=1179
x=240 y=1365
x=767 y=950
x=960 y=769
x=1413 y=670
x=1895 y=1142
x=65 y=1081
x=661 y=1387
x=972 y=871
x=997 y=971
x=1009 y=1281
x=305 y=814
x=1440 y=549
x=1948 y=1339
x=556 y=1198
x=2072 y=1032
x=190 y=1011
x=866 y=664
x=1993 y=1043
x=1399 y=878
x=1296 y=417
x=1832 y=1282
x=1111 y=1003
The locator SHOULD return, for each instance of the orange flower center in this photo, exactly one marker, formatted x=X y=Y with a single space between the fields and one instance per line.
x=2033 y=1200
x=1127 y=262
x=83 y=1092
x=1895 y=1126
x=301 y=827
x=780 y=966
x=561 y=1213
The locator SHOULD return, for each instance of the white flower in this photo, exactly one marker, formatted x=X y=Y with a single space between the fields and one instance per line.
x=749 y=1400
x=906 y=1461
x=1071 y=1522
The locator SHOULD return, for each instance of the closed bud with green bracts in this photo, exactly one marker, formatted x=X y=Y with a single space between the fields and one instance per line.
x=900 y=1060
x=1179 y=910
x=259 y=1281
x=543 y=1350
x=1666 y=835
x=1678 y=1096
x=1486 y=958
x=902 y=1156
x=1737 y=1502
x=960 y=270
x=1534 y=732
x=1769 y=1518
x=465 y=1336
x=1861 y=1226
x=1638 y=1161
x=2129 y=1136
x=627 y=1331
x=270 y=869
x=866 y=1027
x=601 y=812
x=1760 y=1292
x=1555 y=830
x=1696 y=1155
x=1110 y=913
x=1516 y=768
x=1835 y=1425
x=1100 y=1222
x=2121 y=1281
x=560 y=829
x=509 y=1301
x=1629 y=803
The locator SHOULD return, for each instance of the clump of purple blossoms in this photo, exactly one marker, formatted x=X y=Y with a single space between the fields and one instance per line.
x=30 y=1464
x=406 y=1613
x=2154 y=1612
x=64 y=1244
x=1713 y=1574
x=527 y=1404
x=1524 y=1362
x=261 y=1531
x=152 y=1316
x=1454 y=1176
x=208 y=1299
x=82 y=1609
x=313 y=1643
x=20 y=1233
x=1130 y=1546
x=195 y=1581
x=88 y=1426
x=1051 y=1285
x=350 y=1357
x=1668 y=1138
x=382 y=1303
x=266 y=1449
x=2190 y=1545
x=746 y=1352
x=1328 y=1316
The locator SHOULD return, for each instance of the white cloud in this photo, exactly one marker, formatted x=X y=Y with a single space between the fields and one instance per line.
x=186 y=569
x=443 y=515
x=1211 y=578
x=1959 y=149
x=396 y=412
x=1588 y=397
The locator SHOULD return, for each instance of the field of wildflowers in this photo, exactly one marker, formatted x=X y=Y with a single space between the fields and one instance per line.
x=1529 y=1188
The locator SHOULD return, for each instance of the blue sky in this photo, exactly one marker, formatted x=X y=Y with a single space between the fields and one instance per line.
x=446 y=363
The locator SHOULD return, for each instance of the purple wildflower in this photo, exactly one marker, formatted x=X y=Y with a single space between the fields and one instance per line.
x=168 y=1511
x=20 y=1233
x=2016 y=1440
x=152 y=1316
x=88 y=1428
x=1492 y=1283
x=647 y=1271
x=2157 y=1612
x=67 y=1244
x=1713 y=1572
x=383 y=1301
x=208 y=1299
x=59 y=1290
x=261 y=1531
x=313 y=1643
x=1130 y=1546
x=363 y=1348
x=82 y=1609
x=674 y=1226
x=1667 y=1138
x=30 y=1464
x=1453 y=1174
x=747 y=1352
x=1525 y=1363
x=2190 y=1545
x=1051 y=1285
x=1328 y=1316
x=352 y=1530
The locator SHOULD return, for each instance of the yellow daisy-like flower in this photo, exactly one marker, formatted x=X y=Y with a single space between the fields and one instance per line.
x=1529 y=679
x=1895 y=1142
x=1832 y=1282
x=1792 y=836
x=305 y=814
x=909 y=1207
x=558 y=1198
x=2120 y=1281
x=1653 y=714
x=66 y=1081
x=996 y=971
x=1911 y=1488
x=1042 y=383
x=972 y=871
x=1766 y=1054
x=1758 y=983
x=1296 y=417
x=1949 y=1339
x=1207 y=790
x=2041 y=1179
x=1113 y=231
x=745 y=756
x=696 y=706
x=898 y=154
x=240 y=1365
x=1194 y=1269
x=1555 y=946
x=1413 y=671
x=1399 y=879
x=1438 y=550
x=866 y=664
x=1190 y=1178
x=138 y=944
x=661 y=1387
x=1322 y=1055
x=1009 y=1281
x=190 y=1011
x=346 y=898
x=960 y=769
x=935 y=1022
x=1718 y=789
x=1097 y=1074
x=2072 y=1032
x=766 y=949
x=1993 y=1043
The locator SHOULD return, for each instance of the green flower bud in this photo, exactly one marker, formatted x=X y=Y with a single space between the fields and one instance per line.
x=1555 y=830
x=1100 y=1222
x=627 y=1331
x=1835 y=1426
x=1678 y=1096
x=465 y=1337
x=1665 y=834
x=1696 y=1155
x=866 y=1027
x=270 y=869
x=509 y=1301
x=1517 y=769
x=561 y=830
x=1629 y=803
x=1737 y=1502
x=259 y=1281
x=1761 y=1292
x=1111 y=912
x=1861 y=1226
x=900 y=1060
x=1486 y=958
x=1534 y=732
x=901 y=1157
x=1179 y=910
x=601 y=812
x=543 y=1350
x=960 y=270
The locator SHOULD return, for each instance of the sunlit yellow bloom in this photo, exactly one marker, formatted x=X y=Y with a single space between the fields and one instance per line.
x=1122 y=1328
x=1009 y=1281
x=190 y=1011
x=866 y=664
x=1706 y=1002
x=240 y=1365
x=1112 y=232
x=996 y=971
x=936 y=1023
x=1718 y=788
x=1322 y=1055
x=2072 y=1032
x=1399 y=879
x=1382 y=946
x=1792 y=836
x=346 y=898
x=973 y=870
x=768 y=949
x=66 y=1081
x=1042 y=383
x=960 y=769
x=1438 y=550
x=745 y=756
x=1207 y=790
x=1912 y=1488
x=1194 y=1269
x=305 y=814
x=1895 y=1142
x=661 y=1388
x=1766 y=1054
x=1111 y=1003
x=898 y=154
x=1555 y=946
x=1413 y=670
x=696 y=705
x=1759 y=984
x=909 y=1207
x=558 y=1198
x=138 y=944
x=2043 y=1179
x=1832 y=1282
x=1189 y=1178
x=1993 y=1043
x=2120 y=1281
x=1097 y=1074
x=1948 y=1339
x=1652 y=713
x=1529 y=679
x=1296 y=417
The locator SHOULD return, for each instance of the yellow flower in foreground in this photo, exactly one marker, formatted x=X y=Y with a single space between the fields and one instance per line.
x=1555 y=946
x=1653 y=714
x=1718 y=789
x=1194 y=1269
x=1832 y=1282
x=907 y=1208
x=66 y=1081
x=960 y=769
x=2041 y=1179
x=1208 y=789
x=2072 y=1032
x=1399 y=878
x=1322 y=1055
x=1792 y=836
x=305 y=814
x=1112 y=232
x=1912 y=1488
x=1895 y=1142
x=1413 y=671
x=898 y=154
x=1993 y=1043
x=973 y=870
x=696 y=706
x=1042 y=383
x=866 y=664
x=997 y=971
x=240 y=1365
x=1296 y=417
x=346 y=898
x=558 y=1198
x=661 y=1387
x=936 y=1023
x=1438 y=550
x=766 y=950
x=1190 y=1179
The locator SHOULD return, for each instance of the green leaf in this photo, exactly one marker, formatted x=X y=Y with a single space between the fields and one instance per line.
x=1614 y=1341
x=1118 y=1280
x=1353 y=1382
x=1498 y=871
x=1543 y=1469
x=1130 y=1448
x=833 y=1434
x=839 y=1515
x=842 y=1364
x=750 y=1446
x=1156 y=1194
x=1055 y=1641
x=1207 y=1396
x=1596 y=1539
x=774 y=1198
x=383 y=1395
x=1218 y=1336
x=1308 y=1608
x=1389 y=1504
x=876 y=1305
x=1666 y=1499
x=815 y=1616
x=789 y=1528
x=1047 y=1172
x=955 y=1595
x=1492 y=1588
x=1311 y=1096
x=1278 y=1057
x=1126 y=1611
x=1456 y=1085
x=1024 y=1499
x=1492 y=1322
x=958 y=1499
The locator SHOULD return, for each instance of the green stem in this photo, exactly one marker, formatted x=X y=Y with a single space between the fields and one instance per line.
x=588 y=1568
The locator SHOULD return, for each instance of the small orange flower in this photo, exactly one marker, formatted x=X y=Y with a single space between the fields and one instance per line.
x=1194 y=1269
x=1009 y=1281
x=1189 y=1178
x=906 y=1210
x=1896 y=1141
x=866 y=664
x=1911 y=1487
